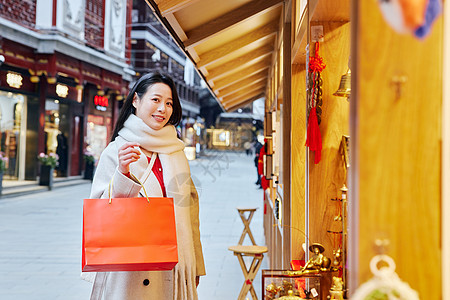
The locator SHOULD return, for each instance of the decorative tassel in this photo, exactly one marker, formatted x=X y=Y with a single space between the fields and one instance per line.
x=313 y=137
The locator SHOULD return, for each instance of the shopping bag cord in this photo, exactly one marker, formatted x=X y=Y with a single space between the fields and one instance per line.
x=132 y=176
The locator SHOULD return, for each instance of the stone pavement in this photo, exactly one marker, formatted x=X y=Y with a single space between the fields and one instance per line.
x=40 y=245
x=226 y=181
x=40 y=234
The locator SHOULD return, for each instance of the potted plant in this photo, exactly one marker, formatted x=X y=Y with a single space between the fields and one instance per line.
x=3 y=163
x=48 y=164
x=89 y=165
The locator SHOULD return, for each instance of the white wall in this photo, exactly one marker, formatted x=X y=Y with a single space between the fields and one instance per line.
x=115 y=26
x=44 y=14
x=70 y=17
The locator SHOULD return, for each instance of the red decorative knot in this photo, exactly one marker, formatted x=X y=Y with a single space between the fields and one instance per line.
x=248 y=282
x=316 y=63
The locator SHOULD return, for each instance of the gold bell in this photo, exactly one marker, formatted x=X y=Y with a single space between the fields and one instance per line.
x=344 y=89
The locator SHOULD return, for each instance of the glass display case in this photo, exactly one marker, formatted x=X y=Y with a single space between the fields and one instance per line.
x=281 y=284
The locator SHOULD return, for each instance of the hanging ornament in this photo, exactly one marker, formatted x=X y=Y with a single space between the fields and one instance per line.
x=385 y=284
x=415 y=17
x=313 y=136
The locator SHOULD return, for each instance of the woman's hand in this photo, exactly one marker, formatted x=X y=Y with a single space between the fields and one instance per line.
x=128 y=153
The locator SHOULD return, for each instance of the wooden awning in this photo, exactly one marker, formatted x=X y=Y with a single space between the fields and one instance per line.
x=231 y=42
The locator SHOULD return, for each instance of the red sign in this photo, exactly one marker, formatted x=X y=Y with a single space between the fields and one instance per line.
x=101 y=101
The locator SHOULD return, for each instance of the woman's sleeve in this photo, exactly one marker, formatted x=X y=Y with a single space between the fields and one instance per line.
x=122 y=186
x=200 y=268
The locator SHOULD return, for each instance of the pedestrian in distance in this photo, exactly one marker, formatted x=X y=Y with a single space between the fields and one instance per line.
x=258 y=147
x=248 y=148
x=144 y=145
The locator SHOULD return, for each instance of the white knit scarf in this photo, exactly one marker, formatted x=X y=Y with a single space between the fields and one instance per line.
x=177 y=180
x=163 y=141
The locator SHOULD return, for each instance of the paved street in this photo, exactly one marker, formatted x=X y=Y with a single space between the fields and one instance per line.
x=40 y=234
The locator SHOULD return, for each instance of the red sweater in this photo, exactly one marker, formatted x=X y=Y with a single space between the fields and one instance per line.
x=158 y=171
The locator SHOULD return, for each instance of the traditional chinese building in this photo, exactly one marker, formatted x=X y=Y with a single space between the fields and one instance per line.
x=65 y=67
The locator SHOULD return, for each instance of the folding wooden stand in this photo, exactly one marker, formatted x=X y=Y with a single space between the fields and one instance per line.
x=246 y=222
x=249 y=274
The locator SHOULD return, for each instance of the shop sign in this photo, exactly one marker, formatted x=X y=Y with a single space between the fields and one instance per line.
x=101 y=102
x=62 y=90
x=14 y=80
x=221 y=137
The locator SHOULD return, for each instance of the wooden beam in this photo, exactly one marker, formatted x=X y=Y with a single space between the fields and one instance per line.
x=236 y=76
x=243 y=92
x=236 y=106
x=194 y=55
x=176 y=26
x=241 y=62
x=172 y=6
x=243 y=83
x=234 y=17
x=286 y=142
x=215 y=54
x=243 y=98
x=240 y=102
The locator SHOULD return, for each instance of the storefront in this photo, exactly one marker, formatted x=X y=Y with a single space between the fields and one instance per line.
x=18 y=122
x=193 y=134
x=369 y=181
x=54 y=103
x=80 y=103
x=63 y=127
x=99 y=122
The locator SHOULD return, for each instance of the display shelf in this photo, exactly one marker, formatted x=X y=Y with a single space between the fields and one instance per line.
x=277 y=284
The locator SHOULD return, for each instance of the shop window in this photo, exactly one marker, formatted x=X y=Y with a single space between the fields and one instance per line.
x=12 y=134
x=96 y=135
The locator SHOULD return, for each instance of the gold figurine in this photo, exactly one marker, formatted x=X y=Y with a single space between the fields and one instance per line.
x=285 y=288
x=337 y=259
x=272 y=290
x=336 y=290
x=318 y=262
x=290 y=296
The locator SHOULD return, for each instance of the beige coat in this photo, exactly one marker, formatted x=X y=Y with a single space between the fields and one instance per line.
x=130 y=285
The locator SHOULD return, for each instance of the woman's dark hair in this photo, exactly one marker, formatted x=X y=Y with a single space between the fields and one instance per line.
x=140 y=88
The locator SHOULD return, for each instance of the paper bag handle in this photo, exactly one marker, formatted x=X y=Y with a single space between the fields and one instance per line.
x=134 y=178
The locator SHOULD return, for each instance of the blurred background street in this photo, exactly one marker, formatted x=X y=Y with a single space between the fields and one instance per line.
x=40 y=245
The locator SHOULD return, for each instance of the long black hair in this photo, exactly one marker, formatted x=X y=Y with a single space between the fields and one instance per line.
x=140 y=88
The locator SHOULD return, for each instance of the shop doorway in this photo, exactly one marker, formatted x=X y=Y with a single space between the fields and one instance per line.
x=63 y=135
x=57 y=133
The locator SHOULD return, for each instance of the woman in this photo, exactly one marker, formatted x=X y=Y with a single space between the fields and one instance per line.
x=144 y=145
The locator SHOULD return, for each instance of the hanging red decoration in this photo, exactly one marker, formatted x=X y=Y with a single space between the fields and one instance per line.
x=313 y=136
x=316 y=63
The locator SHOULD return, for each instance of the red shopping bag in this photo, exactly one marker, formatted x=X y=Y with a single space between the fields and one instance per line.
x=129 y=234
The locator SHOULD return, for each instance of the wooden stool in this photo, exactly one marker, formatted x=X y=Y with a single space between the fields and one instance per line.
x=246 y=222
x=249 y=274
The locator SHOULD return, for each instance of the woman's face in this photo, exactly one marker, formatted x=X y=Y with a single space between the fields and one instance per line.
x=155 y=106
